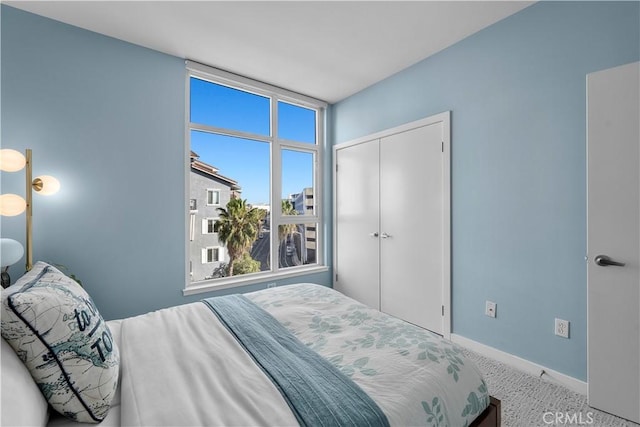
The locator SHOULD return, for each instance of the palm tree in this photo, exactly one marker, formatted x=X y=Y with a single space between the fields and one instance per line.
x=287 y=230
x=237 y=228
x=261 y=215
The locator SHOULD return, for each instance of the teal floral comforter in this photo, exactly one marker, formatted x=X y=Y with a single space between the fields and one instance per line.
x=415 y=376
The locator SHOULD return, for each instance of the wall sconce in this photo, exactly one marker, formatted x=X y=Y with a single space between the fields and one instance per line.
x=12 y=204
x=10 y=252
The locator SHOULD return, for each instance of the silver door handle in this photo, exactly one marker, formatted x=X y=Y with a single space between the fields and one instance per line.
x=603 y=261
x=385 y=235
x=373 y=234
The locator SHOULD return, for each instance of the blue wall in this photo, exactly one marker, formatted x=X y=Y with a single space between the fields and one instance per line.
x=107 y=119
x=517 y=95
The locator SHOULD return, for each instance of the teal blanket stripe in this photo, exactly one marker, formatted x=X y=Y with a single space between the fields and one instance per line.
x=316 y=391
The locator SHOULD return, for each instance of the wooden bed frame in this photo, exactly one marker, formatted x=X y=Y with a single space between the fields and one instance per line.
x=491 y=417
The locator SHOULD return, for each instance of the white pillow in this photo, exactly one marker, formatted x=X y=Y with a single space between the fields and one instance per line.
x=22 y=402
x=56 y=330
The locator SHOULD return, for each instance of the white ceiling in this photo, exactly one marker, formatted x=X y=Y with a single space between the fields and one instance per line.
x=324 y=49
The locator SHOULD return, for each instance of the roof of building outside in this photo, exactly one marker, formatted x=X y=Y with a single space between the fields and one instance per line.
x=212 y=171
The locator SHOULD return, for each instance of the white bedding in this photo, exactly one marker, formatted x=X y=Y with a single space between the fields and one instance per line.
x=180 y=366
x=198 y=375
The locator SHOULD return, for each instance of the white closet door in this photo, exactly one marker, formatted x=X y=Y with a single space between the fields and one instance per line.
x=356 y=223
x=412 y=226
x=613 y=217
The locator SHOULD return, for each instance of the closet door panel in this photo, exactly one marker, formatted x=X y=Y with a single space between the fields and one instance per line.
x=357 y=222
x=411 y=226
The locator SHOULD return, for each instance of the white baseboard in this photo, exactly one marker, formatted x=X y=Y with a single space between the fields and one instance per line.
x=522 y=364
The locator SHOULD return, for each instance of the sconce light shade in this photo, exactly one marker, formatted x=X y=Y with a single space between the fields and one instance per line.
x=11 y=160
x=10 y=252
x=12 y=205
x=46 y=185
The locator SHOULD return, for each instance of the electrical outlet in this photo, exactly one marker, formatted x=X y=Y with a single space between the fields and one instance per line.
x=271 y=285
x=562 y=328
x=490 y=309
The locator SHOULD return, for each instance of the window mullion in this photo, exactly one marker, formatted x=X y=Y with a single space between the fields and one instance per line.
x=276 y=187
x=318 y=187
x=229 y=132
x=298 y=146
x=298 y=219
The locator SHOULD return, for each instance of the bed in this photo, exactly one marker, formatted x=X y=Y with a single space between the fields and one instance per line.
x=300 y=354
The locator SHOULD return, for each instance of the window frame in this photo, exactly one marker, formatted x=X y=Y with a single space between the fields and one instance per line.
x=213 y=249
x=276 y=144
x=212 y=191
x=205 y=229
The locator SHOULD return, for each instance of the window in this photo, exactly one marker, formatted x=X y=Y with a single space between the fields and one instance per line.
x=209 y=226
x=210 y=255
x=260 y=148
x=213 y=197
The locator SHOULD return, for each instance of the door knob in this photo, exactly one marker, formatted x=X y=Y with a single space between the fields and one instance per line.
x=373 y=234
x=603 y=261
x=385 y=235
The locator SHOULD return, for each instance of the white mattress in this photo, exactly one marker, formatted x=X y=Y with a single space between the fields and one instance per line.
x=180 y=366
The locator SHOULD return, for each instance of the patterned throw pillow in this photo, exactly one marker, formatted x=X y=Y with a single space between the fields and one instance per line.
x=56 y=330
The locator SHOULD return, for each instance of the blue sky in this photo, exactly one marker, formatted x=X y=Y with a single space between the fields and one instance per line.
x=243 y=160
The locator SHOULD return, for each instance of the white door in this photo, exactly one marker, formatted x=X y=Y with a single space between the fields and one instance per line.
x=412 y=226
x=357 y=223
x=613 y=139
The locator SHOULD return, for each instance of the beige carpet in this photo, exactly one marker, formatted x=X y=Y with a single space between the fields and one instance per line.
x=528 y=401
